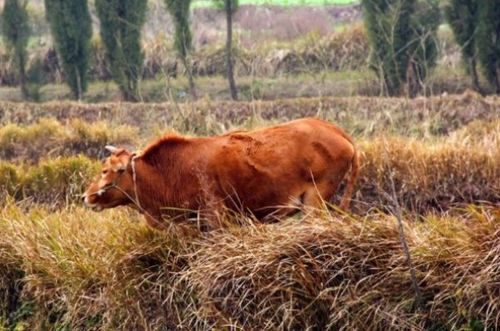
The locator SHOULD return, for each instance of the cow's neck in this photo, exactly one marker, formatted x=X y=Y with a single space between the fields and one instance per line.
x=156 y=193
x=146 y=189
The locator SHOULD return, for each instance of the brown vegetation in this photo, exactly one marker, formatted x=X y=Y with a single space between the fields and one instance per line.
x=65 y=267
x=361 y=116
x=87 y=271
x=47 y=137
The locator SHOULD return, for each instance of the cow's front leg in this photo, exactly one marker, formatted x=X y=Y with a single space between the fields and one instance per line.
x=155 y=222
x=214 y=216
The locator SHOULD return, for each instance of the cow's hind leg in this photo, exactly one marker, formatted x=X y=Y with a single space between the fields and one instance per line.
x=312 y=203
x=316 y=197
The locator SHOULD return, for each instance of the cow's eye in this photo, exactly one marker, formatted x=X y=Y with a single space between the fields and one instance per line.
x=104 y=172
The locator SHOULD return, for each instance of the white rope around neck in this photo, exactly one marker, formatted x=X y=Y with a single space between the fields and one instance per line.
x=134 y=180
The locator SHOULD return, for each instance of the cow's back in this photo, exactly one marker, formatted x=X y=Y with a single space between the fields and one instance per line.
x=280 y=165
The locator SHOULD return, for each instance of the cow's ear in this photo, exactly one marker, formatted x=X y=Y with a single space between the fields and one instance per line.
x=121 y=160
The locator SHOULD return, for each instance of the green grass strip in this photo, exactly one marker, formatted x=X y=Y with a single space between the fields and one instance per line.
x=286 y=3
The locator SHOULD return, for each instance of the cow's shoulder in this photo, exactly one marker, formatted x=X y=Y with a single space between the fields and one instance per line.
x=166 y=144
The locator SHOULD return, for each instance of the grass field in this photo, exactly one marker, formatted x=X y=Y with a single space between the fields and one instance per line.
x=64 y=267
x=207 y=3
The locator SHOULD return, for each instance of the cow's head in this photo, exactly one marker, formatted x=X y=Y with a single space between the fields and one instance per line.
x=115 y=183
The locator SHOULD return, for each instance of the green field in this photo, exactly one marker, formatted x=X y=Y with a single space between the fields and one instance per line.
x=206 y=3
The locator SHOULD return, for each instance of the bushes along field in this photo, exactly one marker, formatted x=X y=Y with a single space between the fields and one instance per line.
x=48 y=137
x=360 y=116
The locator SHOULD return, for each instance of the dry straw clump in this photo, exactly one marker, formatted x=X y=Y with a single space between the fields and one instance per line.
x=87 y=271
x=344 y=274
x=55 y=181
x=49 y=137
x=430 y=174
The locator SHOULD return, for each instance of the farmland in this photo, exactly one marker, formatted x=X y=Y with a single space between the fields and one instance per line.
x=206 y=3
x=64 y=266
x=431 y=162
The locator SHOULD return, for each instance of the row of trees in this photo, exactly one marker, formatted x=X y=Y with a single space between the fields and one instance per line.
x=402 y=35
x=121 y=22
x=476 y=26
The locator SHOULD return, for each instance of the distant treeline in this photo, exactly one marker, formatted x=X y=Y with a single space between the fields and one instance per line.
x=401 y=36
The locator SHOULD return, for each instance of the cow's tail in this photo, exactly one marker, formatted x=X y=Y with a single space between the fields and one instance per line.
x=351 y=181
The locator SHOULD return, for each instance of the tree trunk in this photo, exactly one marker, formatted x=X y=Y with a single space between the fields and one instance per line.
x=229 y=49
x=22 y=74
x=130 y=90
x=189 y=72
x=473 y=72
x=79 y=92
x=497 y=79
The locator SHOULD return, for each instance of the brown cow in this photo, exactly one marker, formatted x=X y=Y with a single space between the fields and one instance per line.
x=269 y=171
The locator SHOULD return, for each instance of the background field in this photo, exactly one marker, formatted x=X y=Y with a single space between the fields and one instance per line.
x=208 y=3
x=63 y=266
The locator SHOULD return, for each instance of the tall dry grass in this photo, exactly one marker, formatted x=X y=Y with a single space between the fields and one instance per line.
x=361 y=116
x=48 y=137
x=80 y=270
x=56 y=182
x=431 y=174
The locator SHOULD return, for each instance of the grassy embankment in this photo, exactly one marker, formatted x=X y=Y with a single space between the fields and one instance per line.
x=65 y=267
x=208 y=3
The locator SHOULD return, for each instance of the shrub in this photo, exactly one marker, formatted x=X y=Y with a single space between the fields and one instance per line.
x=179 y=10
x=402 y=36
x=58 y=181
x=16 y=30
x=83 y=270
x=488 y=40
x=49 y=137
x=462 y=17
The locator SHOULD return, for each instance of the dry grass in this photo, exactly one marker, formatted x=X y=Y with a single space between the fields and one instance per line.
x=350 y=273
x=63 y=267
x=50 y=138
x=361 y=116
x=84 y=271
x=56 y=182
x=431 y=174
x=87 y=271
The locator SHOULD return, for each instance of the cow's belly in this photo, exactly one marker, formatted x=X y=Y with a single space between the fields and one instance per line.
x=264 y=196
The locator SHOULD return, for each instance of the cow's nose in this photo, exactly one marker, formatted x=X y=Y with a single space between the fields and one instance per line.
x=83 y=198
